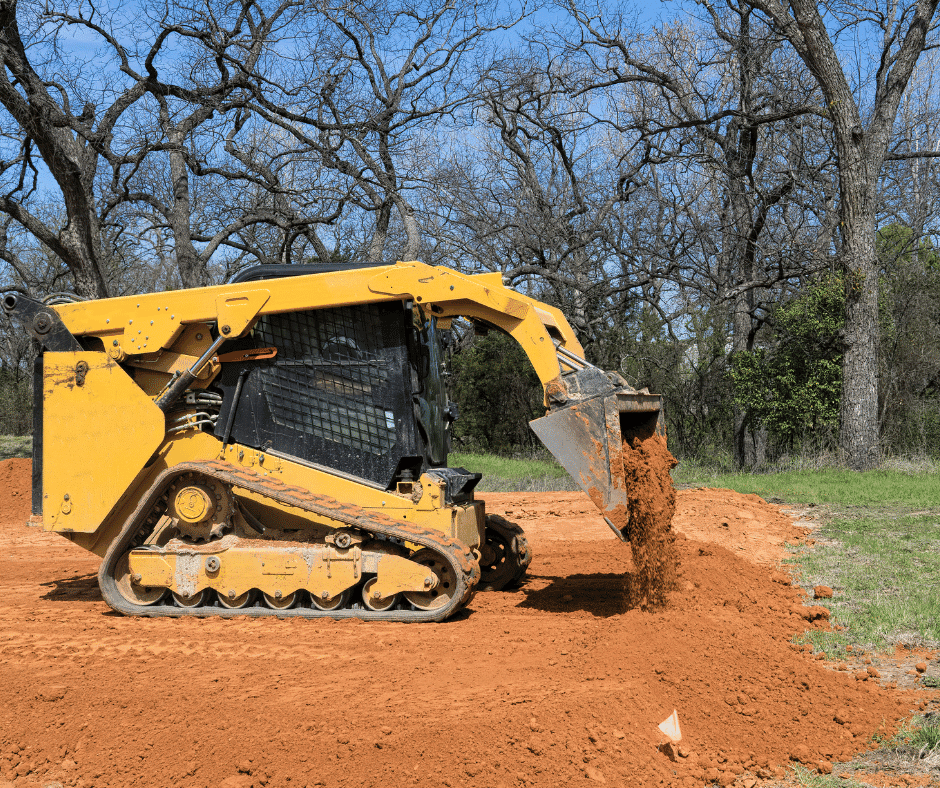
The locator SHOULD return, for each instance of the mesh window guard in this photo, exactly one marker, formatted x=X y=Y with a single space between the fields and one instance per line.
x=328 y=376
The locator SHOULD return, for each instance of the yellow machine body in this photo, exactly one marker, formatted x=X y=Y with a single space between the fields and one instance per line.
x=97 y=419
x=130 y=472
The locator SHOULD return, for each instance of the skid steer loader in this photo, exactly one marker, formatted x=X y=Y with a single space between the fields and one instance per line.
x=278 y=445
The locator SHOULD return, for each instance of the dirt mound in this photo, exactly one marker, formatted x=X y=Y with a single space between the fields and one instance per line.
x=557 y=682
x=745 y=524
x=15 y=488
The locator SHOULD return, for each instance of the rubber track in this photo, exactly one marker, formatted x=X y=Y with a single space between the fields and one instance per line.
x=458 y=555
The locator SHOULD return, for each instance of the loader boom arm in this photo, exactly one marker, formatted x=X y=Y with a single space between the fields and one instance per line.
x=136 y=325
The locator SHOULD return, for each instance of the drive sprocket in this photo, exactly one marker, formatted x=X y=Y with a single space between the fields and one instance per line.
x=202 y=508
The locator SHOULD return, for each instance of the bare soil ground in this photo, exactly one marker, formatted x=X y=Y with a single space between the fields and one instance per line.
x=558 y=682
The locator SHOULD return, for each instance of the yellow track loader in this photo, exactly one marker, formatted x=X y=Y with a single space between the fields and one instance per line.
x=278 y=445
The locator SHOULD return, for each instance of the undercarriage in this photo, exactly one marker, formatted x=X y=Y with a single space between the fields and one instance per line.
x=193 y=547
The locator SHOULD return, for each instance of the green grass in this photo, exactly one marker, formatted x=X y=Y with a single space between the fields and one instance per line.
x=511 y=474
x=825 y=486
x=506 y=467
x=884 y=565
x=15 y=446
x=810 y=779
x=927 y=736
x=917 y=732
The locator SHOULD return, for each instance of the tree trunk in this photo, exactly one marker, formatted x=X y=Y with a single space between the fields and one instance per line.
x=739 y=156
x=745 y=457
x=380 y=234
x=80 y=251
x=412 y=230
x=858 y=435
x=191 y=267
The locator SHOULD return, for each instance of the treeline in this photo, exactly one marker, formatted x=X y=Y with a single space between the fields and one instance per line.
x=734 y=204
x=789 y=385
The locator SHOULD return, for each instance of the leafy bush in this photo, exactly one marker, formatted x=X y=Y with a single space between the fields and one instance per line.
x=497 y=393
x=793 y=386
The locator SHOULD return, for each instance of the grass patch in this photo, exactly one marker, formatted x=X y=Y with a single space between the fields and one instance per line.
x=830 y=642
x=506 y=467
x=828 y=485
x=884 y=566
x=927 y=736
x=15 y=446
x=810 y=779
x=509 y=474
x=918 y=733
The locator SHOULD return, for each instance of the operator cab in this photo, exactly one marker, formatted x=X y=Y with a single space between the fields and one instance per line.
x=357 y=390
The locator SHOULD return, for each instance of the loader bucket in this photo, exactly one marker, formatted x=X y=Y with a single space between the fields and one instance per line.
x=587 y=439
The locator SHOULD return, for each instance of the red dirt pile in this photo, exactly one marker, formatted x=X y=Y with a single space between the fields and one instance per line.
x=652 y=501
x=15 y=487
x=556 y=683
x=745 y=524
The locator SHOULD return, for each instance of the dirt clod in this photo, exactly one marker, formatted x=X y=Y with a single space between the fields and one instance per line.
x=822 y=592
x=236 y=781
x=801 y=754
x=670 y=750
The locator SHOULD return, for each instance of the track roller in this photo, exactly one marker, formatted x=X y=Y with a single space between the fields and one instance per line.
x=371 y=601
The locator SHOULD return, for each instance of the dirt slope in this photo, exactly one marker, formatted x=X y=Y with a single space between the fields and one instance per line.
x=554 y=683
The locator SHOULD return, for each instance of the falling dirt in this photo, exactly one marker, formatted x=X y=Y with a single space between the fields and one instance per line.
x=652 y=504
x=558 y=682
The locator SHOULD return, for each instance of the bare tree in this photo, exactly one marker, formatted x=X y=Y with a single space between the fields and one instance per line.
x=165 y=145
x=386 y=78
x=534 y=198
x=910 y=183
x=51 y=130
x=723 y=121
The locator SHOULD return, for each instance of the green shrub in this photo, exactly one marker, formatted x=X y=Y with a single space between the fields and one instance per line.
x=497 y=393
